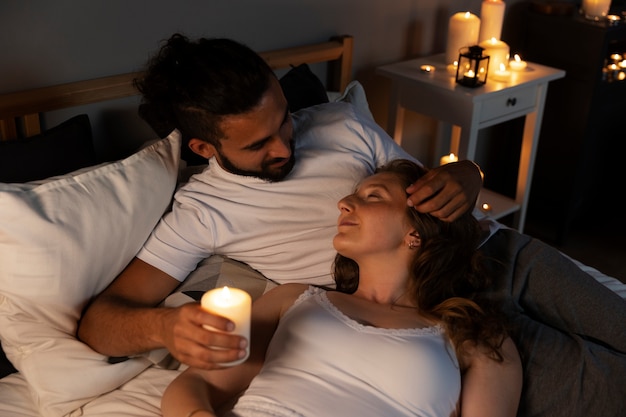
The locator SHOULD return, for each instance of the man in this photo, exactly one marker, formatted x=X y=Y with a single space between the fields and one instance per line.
x=268 y=197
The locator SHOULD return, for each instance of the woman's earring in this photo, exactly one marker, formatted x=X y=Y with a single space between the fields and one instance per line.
x=411 y=245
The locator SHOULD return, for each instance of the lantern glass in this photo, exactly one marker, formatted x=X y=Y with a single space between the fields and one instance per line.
x=473 y=67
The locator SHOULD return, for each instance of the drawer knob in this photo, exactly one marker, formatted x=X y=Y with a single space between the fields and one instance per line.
x=511 y=101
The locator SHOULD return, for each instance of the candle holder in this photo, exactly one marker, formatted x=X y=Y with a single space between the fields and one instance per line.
x=473 y=67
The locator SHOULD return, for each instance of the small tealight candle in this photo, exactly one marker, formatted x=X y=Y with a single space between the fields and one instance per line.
x=485 y=207
x=516 y=64
x=235 y=305
x=501 y=74
x=613 y=19
x=446 y=159
x=429 y=69
x=469 y=75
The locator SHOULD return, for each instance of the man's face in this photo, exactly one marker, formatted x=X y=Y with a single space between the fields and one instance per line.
x=259 y=143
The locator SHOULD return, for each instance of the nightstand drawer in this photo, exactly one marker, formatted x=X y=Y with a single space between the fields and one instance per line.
x=505 y=104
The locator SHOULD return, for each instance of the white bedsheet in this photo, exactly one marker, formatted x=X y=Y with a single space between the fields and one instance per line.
x=140 y=397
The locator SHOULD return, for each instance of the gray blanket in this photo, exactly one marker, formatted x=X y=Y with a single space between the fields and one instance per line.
x=570 y=330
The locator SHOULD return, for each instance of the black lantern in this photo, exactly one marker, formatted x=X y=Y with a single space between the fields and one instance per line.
x=473 y=66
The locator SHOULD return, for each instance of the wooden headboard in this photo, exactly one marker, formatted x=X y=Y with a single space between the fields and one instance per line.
x=20 y=111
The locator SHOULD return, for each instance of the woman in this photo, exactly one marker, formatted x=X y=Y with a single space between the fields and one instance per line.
x=407 y=327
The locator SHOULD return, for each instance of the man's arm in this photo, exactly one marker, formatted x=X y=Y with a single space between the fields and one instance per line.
x=124 y=320
x=447 y=191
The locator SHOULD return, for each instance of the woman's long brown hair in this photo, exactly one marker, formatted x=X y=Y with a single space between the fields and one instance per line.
x=449 y=283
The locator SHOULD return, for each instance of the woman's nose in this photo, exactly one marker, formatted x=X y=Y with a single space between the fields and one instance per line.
x=344 y=204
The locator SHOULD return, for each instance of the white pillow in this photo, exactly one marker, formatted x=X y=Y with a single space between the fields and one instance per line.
x=354 y=94
x=62 y=241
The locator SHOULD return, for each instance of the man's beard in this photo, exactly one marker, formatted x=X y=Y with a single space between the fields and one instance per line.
x=266 y=173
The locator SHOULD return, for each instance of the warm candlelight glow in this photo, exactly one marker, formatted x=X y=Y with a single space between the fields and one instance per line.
x=613 y=19
x=427 y=68
x=497 y=51
x=485 y=207
x=516 y=64
x=501 y=74
x=234 y=304
x=491 y=19
x=446 y=159
x=452 y=67
x=595 y=9
x=463 y=29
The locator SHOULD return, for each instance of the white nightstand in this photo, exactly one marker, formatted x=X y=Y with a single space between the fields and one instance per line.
x=468 y=110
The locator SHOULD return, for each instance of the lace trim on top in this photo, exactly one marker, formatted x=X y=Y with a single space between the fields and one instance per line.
x=321 y=297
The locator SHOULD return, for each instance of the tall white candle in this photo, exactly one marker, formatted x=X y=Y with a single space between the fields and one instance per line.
x=491 y=19
x=596 y=9
x=498 y=53
x=234 y=304
x=462 y=32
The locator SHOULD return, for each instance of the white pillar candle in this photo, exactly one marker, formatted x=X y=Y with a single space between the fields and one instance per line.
x=446 y=159
x=596 y=9
x=491 y=19
x=462 y=32
x=235 y=305
x=498 y=53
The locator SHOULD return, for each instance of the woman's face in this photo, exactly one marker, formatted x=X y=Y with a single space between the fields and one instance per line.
x=373 y=219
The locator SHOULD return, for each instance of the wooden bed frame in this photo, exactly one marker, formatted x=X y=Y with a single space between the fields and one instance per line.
x=20 y=112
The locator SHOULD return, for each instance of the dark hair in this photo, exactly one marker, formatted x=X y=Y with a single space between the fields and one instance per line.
x=449 y=283
x=191 y=85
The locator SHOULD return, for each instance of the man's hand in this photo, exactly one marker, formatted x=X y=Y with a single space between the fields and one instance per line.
x=191 y=343
x=448 y=191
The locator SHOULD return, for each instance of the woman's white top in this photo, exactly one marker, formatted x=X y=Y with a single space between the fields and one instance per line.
x=321 y=362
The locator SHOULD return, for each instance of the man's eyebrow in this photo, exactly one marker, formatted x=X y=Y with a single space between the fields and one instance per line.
x=259 y=143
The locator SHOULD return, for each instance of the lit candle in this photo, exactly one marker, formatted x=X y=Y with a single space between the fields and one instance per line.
x=427 y=69
x=613 y=19
x=491 y=19
x=462 y=31
x=235 y=305
x=501 y=74
x=516 y=64
x=497 y=51
x=446 y=159
x=595 y=9
x=485 y=207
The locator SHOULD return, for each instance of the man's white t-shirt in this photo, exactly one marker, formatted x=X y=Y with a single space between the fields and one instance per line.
x=283 y=229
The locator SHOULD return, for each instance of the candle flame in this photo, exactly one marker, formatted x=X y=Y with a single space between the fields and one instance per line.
x=502 y=66
x=467 y=15
x=517 y=58
x=225 y=294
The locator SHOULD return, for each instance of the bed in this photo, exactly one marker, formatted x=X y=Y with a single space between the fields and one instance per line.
x=48 y=219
